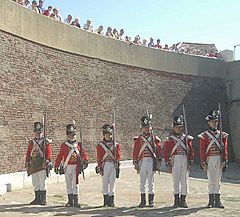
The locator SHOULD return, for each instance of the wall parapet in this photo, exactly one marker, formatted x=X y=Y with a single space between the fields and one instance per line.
x=35 y=27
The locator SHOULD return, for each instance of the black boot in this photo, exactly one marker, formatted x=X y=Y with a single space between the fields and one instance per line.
x=218 y=203
x=70 y=200
x=105 y=200
x=75 y=201
x=111 y=201
x=43 y=199
x=37 y=199
x=176 y=201
x=143 y=201
x=211 y=201
x=151 y=200
x=183 y=202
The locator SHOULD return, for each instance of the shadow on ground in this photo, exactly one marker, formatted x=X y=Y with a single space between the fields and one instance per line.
x=98 y=211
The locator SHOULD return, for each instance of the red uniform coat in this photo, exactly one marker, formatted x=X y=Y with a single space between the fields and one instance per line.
x=138 y=144
x=101 y=152
x=169 y=145
x=48 y=151
x=64 y=150
x=205 y=140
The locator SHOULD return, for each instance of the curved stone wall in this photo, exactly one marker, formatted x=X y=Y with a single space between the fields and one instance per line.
x=82 y=76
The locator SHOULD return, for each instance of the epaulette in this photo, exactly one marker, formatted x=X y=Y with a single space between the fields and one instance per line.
x=157 y=138
x=48 y=140
x=135 y=137
x=225 y=135
x=29 y=141
x=190 y=137
x=201 y=135
x=166 y=139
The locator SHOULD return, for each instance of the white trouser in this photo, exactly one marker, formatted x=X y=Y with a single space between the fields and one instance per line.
x=108 y=179
x=214 y=174
x=70 y=178
x=39 y=180
x=180 y=174
x=146 y=173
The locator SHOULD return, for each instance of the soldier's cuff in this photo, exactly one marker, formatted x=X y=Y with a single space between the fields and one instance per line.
x=135 y=162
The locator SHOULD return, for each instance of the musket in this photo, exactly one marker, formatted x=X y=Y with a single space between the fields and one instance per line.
x=115 y=143
x=152 y=135
x=224 y=166
x=185 y=123
x=220 y=125
x=82 y=152
x=44 y=121
x=186 y=131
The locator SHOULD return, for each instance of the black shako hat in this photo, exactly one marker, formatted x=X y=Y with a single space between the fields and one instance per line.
x=213 y=115
x=146 y=120
x=37 y=127
x=107 y=128
x=178 y=121
x=70 y=128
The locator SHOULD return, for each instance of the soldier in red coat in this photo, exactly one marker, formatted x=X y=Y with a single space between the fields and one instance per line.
x=74 y=159
x=147 y=159
x=178 y=156
x=214 y=157
x=38 y=160
x=108 y=157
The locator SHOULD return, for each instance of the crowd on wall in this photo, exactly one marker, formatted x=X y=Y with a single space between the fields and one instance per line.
x=38 y=7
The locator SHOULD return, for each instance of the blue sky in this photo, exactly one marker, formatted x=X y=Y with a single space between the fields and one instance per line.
x=203 y=21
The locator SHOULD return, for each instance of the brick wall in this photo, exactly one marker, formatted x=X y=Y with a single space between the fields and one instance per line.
x=87 y=90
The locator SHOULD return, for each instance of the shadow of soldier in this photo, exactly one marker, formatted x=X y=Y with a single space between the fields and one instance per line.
x=135 y=211
x=97 y=210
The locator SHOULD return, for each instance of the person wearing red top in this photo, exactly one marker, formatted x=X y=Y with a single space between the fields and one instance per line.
x=214 y=157
x=158 y=45
x=74 y=159
x=178 y=156
x=147 y=159
x=37 y=163
x=48 y=11
x=108 y=164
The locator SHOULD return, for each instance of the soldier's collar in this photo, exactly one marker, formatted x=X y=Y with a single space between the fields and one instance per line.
x=213 y=129
x=71 y=141
x=177 y=134
x=107 y=140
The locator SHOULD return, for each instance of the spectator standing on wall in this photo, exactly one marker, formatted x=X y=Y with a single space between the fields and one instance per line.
x=158 y=44
x=99 y=30
x=115 y=33
x=151 y=43
x=137 y=40
x=56 y=15
x=68 y=20
x=128 y=39
x=76 y=22
x=166 y=47
x=33 y=7
x=109 y=32
x=88 y=25
x=26 y=3
x=144 y=43
x=48 y=11
x=40 y=6
x=121 y=34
